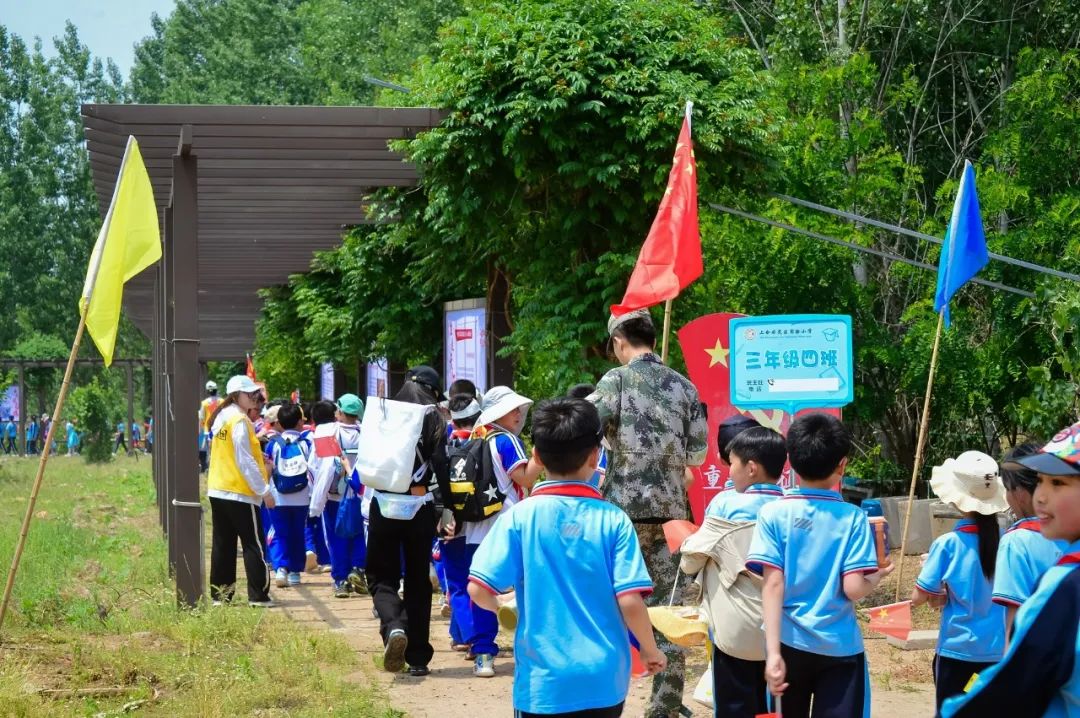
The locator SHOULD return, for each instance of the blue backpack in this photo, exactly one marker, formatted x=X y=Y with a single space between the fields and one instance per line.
x=290 y=473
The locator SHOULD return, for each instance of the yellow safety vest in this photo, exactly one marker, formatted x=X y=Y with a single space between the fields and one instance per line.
x=225 y=474
x=208 y=405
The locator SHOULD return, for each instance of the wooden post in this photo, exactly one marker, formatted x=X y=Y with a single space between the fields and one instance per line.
x=919 y=446
x=45 y=450
x=667 y=331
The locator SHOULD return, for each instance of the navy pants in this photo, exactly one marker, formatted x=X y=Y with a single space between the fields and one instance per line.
x=951 y=676
x=345 y=554
x=739 y=688
x=838 y=685
x=288 y=541
x=315 y=542
x=609 y=712
x=468 y=622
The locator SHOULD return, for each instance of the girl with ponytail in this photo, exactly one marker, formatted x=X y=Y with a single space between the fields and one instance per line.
x=958 y=573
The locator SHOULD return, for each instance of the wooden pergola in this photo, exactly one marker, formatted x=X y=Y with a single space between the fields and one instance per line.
x=247 y=194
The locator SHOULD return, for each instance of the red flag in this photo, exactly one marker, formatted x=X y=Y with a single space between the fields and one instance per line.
x=294 y=397
x=671 y=257
x=250 y=369
x=676 y=531
x=892 y=620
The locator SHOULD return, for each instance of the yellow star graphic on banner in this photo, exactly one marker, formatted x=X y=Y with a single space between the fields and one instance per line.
x=883 y=613
x=717 y=355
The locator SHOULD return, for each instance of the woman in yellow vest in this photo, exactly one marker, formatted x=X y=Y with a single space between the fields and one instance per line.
x=236 y=487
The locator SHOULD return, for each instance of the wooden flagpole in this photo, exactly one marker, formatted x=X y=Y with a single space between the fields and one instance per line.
x=667 y=330
x=919 y=446
x=45 y=451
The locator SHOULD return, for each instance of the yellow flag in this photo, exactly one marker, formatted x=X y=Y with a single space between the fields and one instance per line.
x=129 y=242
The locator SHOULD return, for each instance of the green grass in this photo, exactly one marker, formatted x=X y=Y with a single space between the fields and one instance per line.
x=93 y=611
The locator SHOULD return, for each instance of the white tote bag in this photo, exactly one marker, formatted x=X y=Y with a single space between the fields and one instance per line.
x=388 y=437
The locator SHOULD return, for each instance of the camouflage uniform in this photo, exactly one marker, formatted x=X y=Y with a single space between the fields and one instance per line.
x=655 y=427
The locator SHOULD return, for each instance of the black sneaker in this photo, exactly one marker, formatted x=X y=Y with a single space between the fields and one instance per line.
x=394 y=652
x=419 y=671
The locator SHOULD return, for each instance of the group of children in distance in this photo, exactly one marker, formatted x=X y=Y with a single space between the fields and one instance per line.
x=781 y=571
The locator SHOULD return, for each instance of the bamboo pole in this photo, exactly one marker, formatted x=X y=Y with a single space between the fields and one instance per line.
x=919 y=447
x=667 y=330
x=45 y=451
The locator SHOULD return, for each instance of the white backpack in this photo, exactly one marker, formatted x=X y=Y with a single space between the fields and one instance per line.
x=389 y=435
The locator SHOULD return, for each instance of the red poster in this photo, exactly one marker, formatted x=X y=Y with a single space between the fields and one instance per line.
x=463 y=334
x=704 y=343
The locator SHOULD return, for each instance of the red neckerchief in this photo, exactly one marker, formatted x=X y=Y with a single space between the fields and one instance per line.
x=1028 y=524
x=1069 y=559
x=571 y=489
x=967 y=529
x=461 y=434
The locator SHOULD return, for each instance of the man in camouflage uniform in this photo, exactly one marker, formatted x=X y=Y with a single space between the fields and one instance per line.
x=655 y=427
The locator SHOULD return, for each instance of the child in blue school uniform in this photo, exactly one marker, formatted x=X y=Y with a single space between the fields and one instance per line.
x=1024 y=554
x=729 y=429
x=575 y=565
x=958 y=573
x=816 y=555
x=582 y=391
x=288 y=454
x=1039 y=677
x=733 y=594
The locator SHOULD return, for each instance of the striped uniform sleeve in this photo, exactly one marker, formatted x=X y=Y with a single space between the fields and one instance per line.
x=860 y=555
x=931 y=578
x=511 y=452
x=1040 y=662
x=629 y=574
x=1013 y=579
x=766 y=548
x=495 y=564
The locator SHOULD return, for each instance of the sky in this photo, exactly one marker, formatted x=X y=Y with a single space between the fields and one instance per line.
x=110 y=28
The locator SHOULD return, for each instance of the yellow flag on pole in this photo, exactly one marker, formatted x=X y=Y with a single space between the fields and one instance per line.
x=129 y=242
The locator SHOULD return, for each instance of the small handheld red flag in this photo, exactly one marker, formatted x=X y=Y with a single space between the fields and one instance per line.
x=670 y=258
x=892 y=620
x=250 y=369
x=676 y=531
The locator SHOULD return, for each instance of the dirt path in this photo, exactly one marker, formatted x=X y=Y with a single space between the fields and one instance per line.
x=898 y=687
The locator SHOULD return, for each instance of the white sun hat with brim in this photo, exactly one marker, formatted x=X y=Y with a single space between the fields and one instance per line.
x=970 y=482
x=500 y=401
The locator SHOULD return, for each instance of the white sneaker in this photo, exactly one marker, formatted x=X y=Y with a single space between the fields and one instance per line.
x=311 y=562
x=484 y=667
x=294 y=579
x=281 y=578
x=268 y=603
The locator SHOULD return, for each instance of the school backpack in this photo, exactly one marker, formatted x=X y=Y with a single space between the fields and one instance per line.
x=474 y=487
x=290 y=473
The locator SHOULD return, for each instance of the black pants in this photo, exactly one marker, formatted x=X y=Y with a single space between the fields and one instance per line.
x=204 y=462
x=31 y=447
x=837 y=685
x=233 y=520
x=739 y=686
x=120 y=441
x=392 y=544
x=951 y=676
x=610 y=712
x=9 y=446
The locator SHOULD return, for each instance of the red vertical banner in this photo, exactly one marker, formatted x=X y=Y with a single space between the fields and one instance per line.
x=704 y=343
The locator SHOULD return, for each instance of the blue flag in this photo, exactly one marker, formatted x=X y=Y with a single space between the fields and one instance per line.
x=964 y=251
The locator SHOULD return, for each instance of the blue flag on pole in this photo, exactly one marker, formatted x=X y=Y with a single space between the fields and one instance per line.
x=964 y=251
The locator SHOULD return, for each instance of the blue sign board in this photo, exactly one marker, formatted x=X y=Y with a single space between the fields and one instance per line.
x=791 y=362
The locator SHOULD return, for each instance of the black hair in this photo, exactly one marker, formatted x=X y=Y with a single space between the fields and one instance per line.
x=289 y=415
x=729 y=429
x=462 y=386
x=639 y=332
x=816 y=445
x=458 y=402
x=322 y=412
x=1016 y=477
x=989 y=537
x=580 y=391
x=762 y=445
x=565 y=433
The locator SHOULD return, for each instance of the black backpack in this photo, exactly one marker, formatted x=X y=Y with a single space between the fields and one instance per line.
x=474 y=488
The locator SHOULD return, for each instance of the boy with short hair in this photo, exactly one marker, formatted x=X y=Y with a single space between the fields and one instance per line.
x=1040 y=673
x=732 y=594
x=574 y=562
x=816 y=554
x=290 y=503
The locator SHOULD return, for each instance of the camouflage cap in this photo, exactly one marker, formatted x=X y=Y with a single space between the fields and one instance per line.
x=614 y=322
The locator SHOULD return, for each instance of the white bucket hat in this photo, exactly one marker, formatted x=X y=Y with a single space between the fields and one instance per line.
x=500 y=401
x=970 y=482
